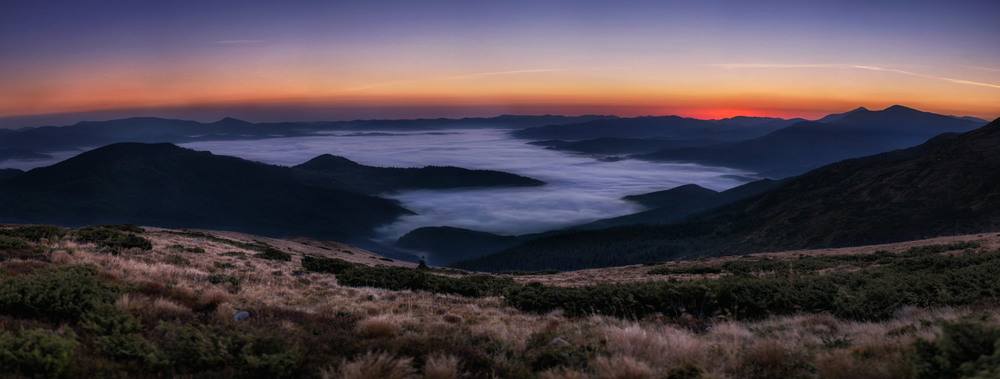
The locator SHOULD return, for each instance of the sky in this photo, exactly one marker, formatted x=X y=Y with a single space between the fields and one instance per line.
x=62 y=62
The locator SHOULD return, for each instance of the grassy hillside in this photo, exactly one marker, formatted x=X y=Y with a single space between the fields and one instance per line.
x=124 y=301
x=166 y=185
x=946 y=186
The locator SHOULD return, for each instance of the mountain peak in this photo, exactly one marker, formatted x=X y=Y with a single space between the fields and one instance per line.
x=231 y=121
x=838 y=116
x=899 y=108
x=328 y=162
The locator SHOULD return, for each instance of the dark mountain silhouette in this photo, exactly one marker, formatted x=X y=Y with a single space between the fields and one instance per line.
x=445 y=244
x=687 y=193
x=831 y=118
x=948 y=185
x=330 y=171
x=165 y=185
x=663 y=127
x=448 y=244
x=88 y=134
x=679 y=203
x=20 y=154
x=7 y=173
x=765 y=123
x=502 y=122
x=808 y=145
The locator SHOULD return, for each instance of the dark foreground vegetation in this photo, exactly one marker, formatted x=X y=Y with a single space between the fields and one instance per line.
x=84 y=320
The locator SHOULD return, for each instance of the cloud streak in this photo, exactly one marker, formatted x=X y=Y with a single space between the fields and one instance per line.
x=239 y=41
x=852 y=67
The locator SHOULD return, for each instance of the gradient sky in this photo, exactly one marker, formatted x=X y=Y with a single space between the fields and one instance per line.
x=328 y=60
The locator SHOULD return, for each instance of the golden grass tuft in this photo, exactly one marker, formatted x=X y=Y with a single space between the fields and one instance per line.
x=766 y=356
x=164 y=308
x=562 y=373
x=374 y=366
x=660 y=347
x=62 y=257
x=621 y=367
x=379 y=326
x=442 y=367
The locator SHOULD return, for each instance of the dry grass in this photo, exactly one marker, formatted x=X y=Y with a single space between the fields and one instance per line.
x=442 y=367
x=375 y=366
x=622 y=367
x=637 y=273
x=834 y=348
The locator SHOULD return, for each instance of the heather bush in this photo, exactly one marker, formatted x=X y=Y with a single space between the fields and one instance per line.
x=273 y=254
x=964 y=349
x=112 y=239
x=60 y=292
x=401 y=278
x=34 y=232
x=37 y=352
x=11 y=243
x=328 y=265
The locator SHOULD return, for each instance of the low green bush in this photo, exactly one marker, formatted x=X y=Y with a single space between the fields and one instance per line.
x=11 y=243
x=401 y=278
x=964 y=349
x=111 y=239
x=689 y=270
x=549 y=271
x=328 y=265
x=273 y=254
x=37 y=352
x=60 y=292
x=108 y=320
x=133 y=347
x=34 y=232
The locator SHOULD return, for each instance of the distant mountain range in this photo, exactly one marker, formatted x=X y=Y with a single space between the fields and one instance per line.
x=948 y=185
x=166 y=185
x=776 y=148
x=448 y=244
x=662 y=127
x=32 y=142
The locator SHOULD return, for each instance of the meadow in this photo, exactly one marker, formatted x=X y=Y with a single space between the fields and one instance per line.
x=125 y=301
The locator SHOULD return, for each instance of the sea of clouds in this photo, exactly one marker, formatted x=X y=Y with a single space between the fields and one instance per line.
x=580 y=188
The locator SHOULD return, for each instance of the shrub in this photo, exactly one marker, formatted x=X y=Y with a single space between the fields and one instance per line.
x=690 y=270
x=175 y=259
x=11 y=243
x=548 y=271
x=34 y=232
x=107 y=319
x=196 y=346
x=111 y=239
x=237 y=254
x=61 y=292
x=272 y=357
x=964 y=348
x=401 y=278
x=133 y=347
x=223 y=265
x=273 y=254
x=124 y=228
x=329 y=265
x=37 y=352
x=220 y=278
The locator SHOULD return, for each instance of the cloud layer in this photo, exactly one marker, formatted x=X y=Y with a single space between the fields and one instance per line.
x=580 y=189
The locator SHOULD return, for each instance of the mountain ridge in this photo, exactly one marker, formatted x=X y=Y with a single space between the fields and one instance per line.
x=947 y=186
